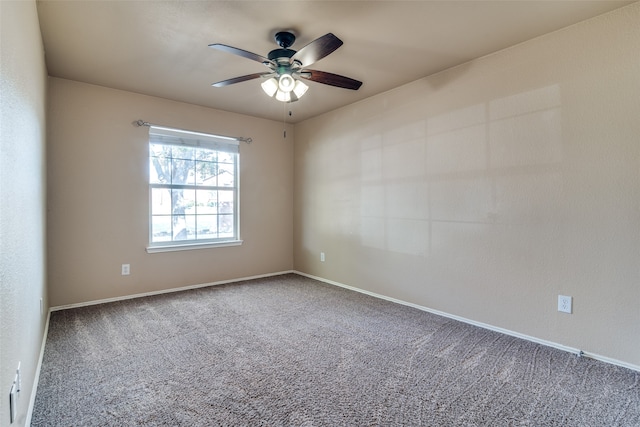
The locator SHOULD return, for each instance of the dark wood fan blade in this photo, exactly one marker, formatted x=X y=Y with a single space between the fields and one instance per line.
x=240 y=52
x=317 y=49
x=237 y=80
x=331 y=79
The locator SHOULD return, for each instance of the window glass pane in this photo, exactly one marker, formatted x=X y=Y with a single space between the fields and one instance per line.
x=159 y=163
x=180 y=227
x=183 y=172
x=160 y=228
x=160 y=150
x=207 y=227
x=160 y=201
x=206 y=173
x=225 y=225
x=184 y=153
x=225 y=201
x=190 y=224
x=159 y=170
x=207 y=202
x=206 y=155
x=182 y=201
x=224 y=157
x=226 y=176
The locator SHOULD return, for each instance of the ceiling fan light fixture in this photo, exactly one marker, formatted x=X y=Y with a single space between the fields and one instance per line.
x=270 y=86
x=293 y=89
x=287 y=65
x=286 y=83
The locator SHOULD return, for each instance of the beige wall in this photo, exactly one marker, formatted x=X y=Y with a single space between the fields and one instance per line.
x=99 y=197
x=22 y=200
x=487 y=190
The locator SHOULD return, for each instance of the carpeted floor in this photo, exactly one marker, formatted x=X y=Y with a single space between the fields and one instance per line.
x=291 y=351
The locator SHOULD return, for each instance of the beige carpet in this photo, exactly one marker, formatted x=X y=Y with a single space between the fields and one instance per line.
x=291 y=351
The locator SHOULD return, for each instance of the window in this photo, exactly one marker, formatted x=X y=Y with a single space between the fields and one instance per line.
x=193 y=190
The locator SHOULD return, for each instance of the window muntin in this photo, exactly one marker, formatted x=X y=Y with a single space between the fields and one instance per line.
x=193 y=189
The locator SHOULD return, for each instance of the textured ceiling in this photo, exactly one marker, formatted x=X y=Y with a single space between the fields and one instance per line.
x=159 y=48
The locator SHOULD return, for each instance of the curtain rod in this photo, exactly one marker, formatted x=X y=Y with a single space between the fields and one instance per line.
x=235 y=138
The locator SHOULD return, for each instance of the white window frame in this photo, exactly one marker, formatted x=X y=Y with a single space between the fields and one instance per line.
x=177 y=137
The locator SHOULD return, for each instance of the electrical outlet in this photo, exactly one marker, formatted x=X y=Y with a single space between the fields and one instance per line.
x=126 y=269
x=564 y=304
x=321 y=256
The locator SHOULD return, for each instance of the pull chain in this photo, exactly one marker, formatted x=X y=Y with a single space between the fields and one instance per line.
x=284 y=119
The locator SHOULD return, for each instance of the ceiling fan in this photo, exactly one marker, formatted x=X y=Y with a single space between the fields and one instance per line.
x=287 y=67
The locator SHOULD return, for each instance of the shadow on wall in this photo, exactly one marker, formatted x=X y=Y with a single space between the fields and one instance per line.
x=432 y=184
x=482 y=184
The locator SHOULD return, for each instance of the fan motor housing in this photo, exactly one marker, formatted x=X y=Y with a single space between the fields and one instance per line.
x=280 y=53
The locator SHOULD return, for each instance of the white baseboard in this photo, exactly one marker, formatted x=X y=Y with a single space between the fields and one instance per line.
x=36 y=379
x=575 y=351
x=166 y=291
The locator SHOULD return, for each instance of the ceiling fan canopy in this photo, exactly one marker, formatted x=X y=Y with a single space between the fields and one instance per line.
x=287 y=67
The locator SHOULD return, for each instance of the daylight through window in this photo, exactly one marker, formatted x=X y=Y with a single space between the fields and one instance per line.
x=193 y=186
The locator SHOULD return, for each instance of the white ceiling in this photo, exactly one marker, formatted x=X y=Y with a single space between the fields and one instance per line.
x=159 y=48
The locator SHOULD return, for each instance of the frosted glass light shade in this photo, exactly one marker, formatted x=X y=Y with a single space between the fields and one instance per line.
x=283 y=96
x=270 y=86
x=300 y=88
x=286 y=83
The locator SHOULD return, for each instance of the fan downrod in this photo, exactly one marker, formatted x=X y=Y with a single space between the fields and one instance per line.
x=285 y=39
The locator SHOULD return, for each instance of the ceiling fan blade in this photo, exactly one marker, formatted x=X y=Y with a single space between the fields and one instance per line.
x=237 y=80
x=240 y=52
x=317 y=49
x=331 y=79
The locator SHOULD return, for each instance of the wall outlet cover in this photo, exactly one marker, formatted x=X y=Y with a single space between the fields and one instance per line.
x=565 y=304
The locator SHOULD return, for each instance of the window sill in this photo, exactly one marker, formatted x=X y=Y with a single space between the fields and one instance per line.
x=192 y=246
